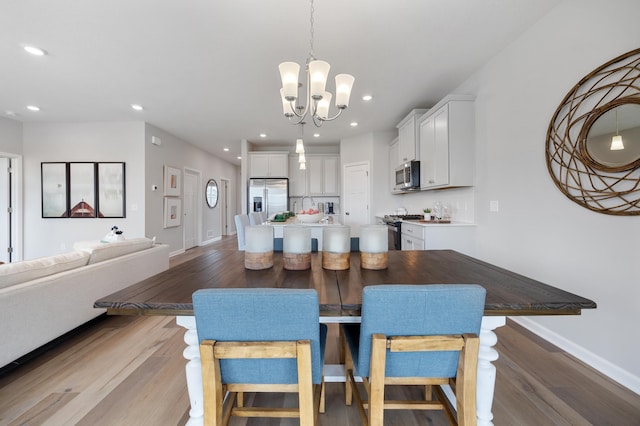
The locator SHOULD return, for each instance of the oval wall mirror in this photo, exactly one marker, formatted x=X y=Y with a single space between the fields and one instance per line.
x=612 y=140
x=593 y=140
x=211 y=193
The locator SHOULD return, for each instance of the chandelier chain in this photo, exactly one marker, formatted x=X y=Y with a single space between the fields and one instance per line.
x=311 y=34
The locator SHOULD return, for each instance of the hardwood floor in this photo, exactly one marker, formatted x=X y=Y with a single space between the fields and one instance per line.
x=130 y=371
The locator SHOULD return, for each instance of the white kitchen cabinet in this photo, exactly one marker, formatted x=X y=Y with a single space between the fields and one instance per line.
x=447 y=144
x=323 y=175
x=424 y=236
x=297 y=178
x=393 y=163
x=412 y=236
x=408 y=137
x=268 y=164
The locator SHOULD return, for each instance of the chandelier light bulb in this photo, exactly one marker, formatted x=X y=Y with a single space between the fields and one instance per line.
x=299 y=146
x=303 y=166
x=301 y=158
x=344 y=83
x=323 y=106
x=289 y=75
x=616 y=143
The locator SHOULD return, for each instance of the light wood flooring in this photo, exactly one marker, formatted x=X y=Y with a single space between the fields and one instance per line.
x=130 y=371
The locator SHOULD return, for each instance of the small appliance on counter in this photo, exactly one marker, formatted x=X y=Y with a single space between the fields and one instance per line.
x=330 y=208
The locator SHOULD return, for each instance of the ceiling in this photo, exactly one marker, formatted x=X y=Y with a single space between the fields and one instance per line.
x=207 y=71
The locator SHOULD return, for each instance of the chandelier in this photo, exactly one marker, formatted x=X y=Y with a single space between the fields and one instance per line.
x=318 y=100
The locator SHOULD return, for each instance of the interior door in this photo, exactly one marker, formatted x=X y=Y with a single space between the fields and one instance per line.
x=5 y=209
x=356 y=196
x=190 y=210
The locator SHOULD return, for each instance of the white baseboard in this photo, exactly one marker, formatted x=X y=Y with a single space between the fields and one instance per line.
x=210 y=241
x=605 y=367
x=177 y=252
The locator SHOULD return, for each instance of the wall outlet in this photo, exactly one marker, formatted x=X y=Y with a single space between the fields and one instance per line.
x=494 y=206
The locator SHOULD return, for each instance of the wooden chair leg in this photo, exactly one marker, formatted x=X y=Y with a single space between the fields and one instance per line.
x=211 y=385
x=376 y=378
x=322 y=397
x=305 y=384
x=349 y=368
x=466 y=381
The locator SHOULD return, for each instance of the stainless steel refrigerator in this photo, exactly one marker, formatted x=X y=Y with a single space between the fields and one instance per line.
x=268 y=195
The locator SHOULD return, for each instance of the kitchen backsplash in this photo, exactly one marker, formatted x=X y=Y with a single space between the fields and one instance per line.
x=461 y=202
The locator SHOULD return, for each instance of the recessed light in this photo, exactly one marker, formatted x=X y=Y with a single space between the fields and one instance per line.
x=137 y=107
x=263 y=135
x=367 y=97
x=316 y=135
x=36 y=51
x=33 y=108
x=225 y=149
x=239 y=158
x=353 y=124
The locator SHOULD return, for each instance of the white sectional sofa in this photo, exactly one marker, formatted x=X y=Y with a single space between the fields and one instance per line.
x=42 y=299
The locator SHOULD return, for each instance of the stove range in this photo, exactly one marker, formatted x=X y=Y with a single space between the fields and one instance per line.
x=397 y=218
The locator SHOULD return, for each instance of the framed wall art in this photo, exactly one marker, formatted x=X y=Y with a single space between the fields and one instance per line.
x=54 y=190
x=111 y=190
x=83 y=190
x=172 y=183
x=172 y=212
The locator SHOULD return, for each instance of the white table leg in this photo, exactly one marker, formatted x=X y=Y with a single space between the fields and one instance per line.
x=193 y=370
x=486 y=370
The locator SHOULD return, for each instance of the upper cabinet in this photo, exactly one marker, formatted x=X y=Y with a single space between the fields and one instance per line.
x=447 y=144
x=393 y=163
x=268 y=164
x=297 y=178
x=323 y=175
x=408 y=137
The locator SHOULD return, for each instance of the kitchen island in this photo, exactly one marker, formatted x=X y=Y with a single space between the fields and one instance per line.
x=316 y=228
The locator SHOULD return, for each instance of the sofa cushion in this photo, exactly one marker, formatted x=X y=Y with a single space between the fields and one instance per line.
x=106 y=251
x=27 y=270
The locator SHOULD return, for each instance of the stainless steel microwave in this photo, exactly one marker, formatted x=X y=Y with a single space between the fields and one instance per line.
x=408 y=176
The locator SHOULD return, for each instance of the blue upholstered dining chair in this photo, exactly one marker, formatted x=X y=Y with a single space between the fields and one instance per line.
x=260 y=340
x=420 y=335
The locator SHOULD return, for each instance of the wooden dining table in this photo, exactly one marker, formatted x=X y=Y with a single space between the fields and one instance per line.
x=340 y=299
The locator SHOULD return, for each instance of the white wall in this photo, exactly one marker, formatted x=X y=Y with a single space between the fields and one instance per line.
x=10 y=136
x=538 y=231
x=78 y=142
x=179 y=154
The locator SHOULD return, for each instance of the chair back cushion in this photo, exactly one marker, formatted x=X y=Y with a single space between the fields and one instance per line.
x=260 y=315
x=422 y=310
x=241 y=220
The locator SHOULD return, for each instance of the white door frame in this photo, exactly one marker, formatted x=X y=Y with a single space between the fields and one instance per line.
x=225 y=184
x=198 y=209
x=16 y=206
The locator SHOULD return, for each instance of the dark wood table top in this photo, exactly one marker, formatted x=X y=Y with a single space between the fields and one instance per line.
x=340 y=292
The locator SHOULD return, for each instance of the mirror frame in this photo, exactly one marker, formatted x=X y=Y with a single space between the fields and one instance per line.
x=214 y=202
x=597 y=187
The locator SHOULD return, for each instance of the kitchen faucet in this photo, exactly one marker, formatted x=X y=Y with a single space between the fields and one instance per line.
x=313 y=203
